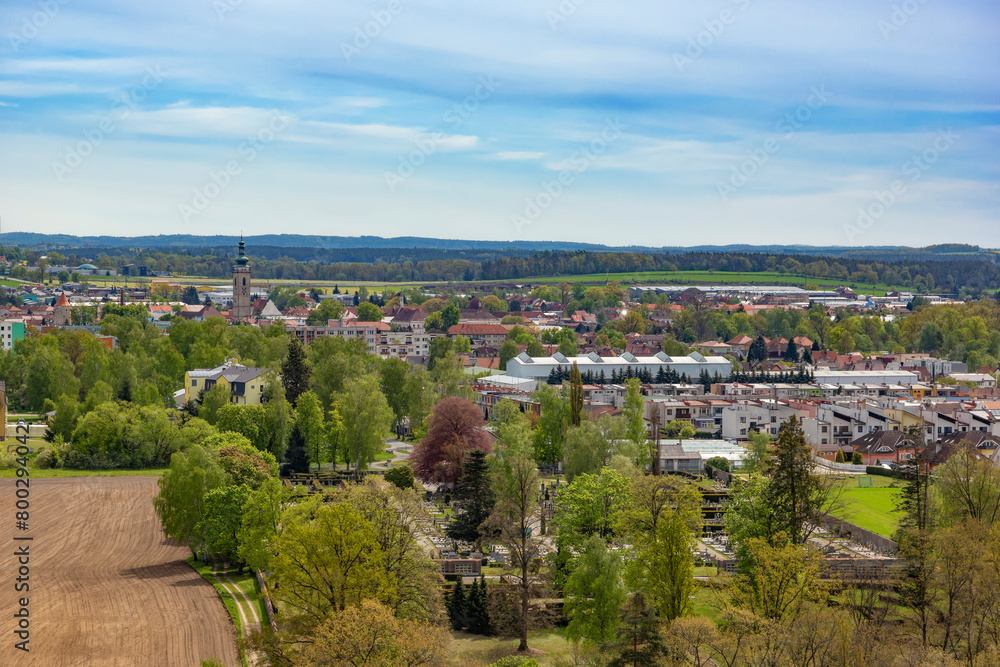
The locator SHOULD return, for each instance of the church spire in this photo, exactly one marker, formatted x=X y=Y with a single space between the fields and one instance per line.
x=241 y=258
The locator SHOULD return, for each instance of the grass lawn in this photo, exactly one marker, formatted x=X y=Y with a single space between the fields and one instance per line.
x=871 y=508
x=470 y=650
x=61 y=472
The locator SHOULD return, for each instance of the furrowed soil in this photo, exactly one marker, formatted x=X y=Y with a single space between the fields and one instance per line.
x=107 y=588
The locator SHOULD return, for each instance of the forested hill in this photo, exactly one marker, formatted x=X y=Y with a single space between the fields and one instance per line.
x=376 y=248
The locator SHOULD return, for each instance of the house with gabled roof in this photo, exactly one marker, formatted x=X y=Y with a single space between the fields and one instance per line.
x=245 y=384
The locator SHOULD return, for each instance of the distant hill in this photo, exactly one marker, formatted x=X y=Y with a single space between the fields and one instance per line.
x=301 y=242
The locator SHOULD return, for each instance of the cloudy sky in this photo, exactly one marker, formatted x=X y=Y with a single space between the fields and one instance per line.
x=655 y=122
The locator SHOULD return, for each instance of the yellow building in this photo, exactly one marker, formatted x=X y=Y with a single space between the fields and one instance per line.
x=908 y=419
x=245 y=384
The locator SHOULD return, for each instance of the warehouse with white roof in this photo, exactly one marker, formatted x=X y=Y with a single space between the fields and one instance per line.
x=524 y=366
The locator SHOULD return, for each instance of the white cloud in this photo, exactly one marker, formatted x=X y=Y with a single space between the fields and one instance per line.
x=518 y=155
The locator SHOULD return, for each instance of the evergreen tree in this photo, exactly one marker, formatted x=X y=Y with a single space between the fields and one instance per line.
x=661 y=376
x=807 y=356
x=758 y=351
x=792 y=353
x=553 y=377
x=575 y=396
x=478 y=609
x=794 y=493
x=295 y=372
x=474 y=496
x=914 y=536
x=296 y=456
x=640 y=642
x=457 y=606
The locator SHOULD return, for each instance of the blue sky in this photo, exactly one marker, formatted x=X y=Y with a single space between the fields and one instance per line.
x=661 y=122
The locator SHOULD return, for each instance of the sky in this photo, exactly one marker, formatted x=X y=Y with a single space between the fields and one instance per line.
x=659 y=122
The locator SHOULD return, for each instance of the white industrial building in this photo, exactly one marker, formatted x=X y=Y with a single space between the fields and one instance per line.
x=825 y=376
x=539 y=367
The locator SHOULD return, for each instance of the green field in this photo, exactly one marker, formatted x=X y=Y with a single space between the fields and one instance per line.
x=871 y=508
x=61 y=472
x=717 y=278
x=661 y=277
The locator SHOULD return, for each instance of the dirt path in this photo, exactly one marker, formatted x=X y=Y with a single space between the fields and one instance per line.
x=107 y=589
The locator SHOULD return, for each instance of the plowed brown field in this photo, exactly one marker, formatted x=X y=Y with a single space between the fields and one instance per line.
x=107 y=589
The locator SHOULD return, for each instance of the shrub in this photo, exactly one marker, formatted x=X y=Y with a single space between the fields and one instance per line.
x=401 y=476
x=49 y=457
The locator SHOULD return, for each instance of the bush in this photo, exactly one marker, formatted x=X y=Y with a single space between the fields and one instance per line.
x=885 y=472
x=401 y=476
x=857 y=460
x=8 y=461
x=717 y=462
x=49 y=457
x=515 y=661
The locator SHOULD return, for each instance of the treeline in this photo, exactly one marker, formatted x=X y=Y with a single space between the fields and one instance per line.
x=970 y=277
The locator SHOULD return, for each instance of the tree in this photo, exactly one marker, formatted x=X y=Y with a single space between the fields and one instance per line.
x=247 y=420
x=457 y=606
x=211 y=401
x=180 y=502
x=633 y=411
x=296 y=456
x=590 y=446
x=594 y=594
x=295 y=372
x=667 y=566
x=575 y=396
x=190 y=296
x=450 y=316
x=508 y=350
x=639 y=642
x=797 y=496
x=367 y=418
x=592 y=505
x=857 y=459
x=326 y=559
x=552 y=424
x=475 y=498
x=717 y=462
x=261 y=523
x=312 y=426
x=478 y=608
x=917 y=590
x=758 y=351
x=223 y=521
x=240 y=460
x=759 y=451
x=515 y=480
x=369 y=635
x=400 y=476
x=369 y=312
x=969 y=487
x=327 y=310
x=784 y=576
x=455 y=428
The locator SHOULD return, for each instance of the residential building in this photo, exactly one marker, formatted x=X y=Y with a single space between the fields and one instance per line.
x=11 y=331
x=245 y=384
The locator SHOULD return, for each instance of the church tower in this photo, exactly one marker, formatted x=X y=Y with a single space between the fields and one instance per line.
x=241 y=285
